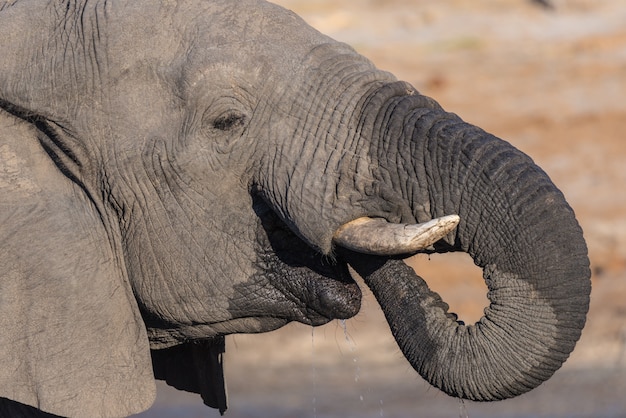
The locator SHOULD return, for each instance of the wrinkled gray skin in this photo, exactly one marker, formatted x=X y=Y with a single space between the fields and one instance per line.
x=171 y=173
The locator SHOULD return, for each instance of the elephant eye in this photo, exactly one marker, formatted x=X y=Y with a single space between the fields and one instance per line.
x=229 y=121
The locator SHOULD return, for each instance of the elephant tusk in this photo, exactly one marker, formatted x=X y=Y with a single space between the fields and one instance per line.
x=376 y=236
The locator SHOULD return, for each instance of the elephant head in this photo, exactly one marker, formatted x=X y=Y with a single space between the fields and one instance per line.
x=176 y=172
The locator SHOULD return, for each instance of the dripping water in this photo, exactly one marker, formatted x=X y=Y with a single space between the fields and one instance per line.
x=355 y=358
x=462 y=409
x=355 y=361
x=313 y=373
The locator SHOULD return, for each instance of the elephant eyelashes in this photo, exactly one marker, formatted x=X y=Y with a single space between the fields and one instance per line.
x=225 y=129
x=229 y=121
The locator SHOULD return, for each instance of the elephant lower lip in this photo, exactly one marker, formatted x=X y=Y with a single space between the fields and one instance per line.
x=331 y=297
x=340 y=304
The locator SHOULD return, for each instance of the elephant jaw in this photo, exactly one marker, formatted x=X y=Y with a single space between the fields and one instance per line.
x=376 y=236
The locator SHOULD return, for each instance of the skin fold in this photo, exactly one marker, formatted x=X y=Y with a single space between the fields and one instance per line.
x=174 y=172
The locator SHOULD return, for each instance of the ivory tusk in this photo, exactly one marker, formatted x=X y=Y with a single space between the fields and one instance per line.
x=376 y=236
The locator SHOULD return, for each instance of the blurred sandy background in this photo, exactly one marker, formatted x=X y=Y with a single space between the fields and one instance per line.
x=553 y=83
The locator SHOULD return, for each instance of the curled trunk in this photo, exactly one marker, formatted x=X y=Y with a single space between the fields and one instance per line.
x=517 y=227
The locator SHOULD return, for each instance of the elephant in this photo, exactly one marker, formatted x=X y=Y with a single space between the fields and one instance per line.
x=174 y=172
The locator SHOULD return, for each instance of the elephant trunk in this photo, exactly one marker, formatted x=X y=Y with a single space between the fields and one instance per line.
x=517 y=227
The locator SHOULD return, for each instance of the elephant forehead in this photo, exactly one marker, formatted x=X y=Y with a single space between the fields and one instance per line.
x=266 y=38
x=235 y=43
x=228 y=22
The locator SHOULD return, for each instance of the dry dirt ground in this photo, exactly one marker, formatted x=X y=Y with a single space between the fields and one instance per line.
x=553 y=83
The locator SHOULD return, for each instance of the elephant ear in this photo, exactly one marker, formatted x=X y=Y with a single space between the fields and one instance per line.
x=72 y=341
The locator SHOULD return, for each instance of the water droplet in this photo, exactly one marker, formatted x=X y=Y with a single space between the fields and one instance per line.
x=462 y=409
x=355 y=359
x=313 y=373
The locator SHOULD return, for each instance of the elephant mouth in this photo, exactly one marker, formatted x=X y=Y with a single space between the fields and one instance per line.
x=320 y=288
x=306 y=285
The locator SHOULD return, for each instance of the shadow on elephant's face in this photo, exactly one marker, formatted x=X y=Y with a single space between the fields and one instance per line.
x=316 y=288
